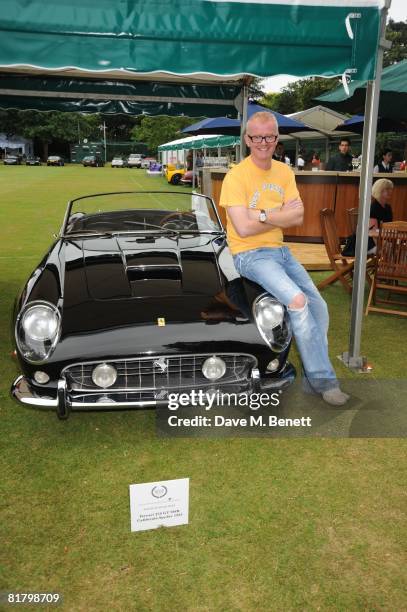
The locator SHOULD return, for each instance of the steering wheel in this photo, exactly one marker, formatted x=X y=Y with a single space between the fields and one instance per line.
x=179 y=221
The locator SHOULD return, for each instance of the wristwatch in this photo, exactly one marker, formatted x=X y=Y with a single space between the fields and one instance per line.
x=262 y=216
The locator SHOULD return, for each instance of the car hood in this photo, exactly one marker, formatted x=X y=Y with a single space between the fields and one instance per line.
x=113 y=281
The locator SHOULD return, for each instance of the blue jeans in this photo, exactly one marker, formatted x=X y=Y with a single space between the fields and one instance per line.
x=280 y=274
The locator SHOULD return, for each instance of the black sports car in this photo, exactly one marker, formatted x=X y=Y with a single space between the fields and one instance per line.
x=138 y=298
x=94 y=161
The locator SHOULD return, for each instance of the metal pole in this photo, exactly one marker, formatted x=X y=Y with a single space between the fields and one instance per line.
x=352 y=358
x=245 y=93
x=193 y=168
x=104 y=137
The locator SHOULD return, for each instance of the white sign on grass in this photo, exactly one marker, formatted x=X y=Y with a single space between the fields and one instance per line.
x=159 y=504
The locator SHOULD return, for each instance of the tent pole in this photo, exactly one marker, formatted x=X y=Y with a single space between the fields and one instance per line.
x=193 y=168
x=245 y=93
x=352 y=357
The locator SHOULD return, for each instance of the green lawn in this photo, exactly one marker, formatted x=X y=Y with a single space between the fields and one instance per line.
x=275 y=524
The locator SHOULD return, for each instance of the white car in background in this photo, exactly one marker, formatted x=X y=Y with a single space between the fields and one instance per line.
x=134 y=160
x=118 y=162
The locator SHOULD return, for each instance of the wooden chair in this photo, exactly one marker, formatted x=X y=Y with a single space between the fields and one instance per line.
x=353 y=214
x=390 y=269
x=342 y=266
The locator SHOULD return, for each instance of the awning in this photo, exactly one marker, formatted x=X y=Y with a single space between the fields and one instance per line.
x=177 y=41
x=200 y=142
x=356 y=124
x=50 y=93
x=393 y=94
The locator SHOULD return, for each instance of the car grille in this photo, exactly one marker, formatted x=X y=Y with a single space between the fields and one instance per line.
x=161 y=372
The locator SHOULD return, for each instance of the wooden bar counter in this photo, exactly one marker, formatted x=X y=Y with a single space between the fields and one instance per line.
x=335 y=190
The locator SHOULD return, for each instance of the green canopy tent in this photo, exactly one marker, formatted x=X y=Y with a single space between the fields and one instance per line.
x=393 y=94
x=194 y=143
x=137 y=57
x=73 y=45
x=213 y=141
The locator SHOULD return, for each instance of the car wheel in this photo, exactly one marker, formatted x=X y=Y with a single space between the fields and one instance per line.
x=175 y=179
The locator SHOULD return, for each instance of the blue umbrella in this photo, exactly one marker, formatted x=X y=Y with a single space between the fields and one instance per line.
x=286 y=125
x=216 y=125
x=223 y=125
x=355 y=124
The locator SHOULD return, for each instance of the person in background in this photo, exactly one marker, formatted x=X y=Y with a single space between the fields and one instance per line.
x=380 y=209
x=189 y=160
x=280 y=154
x=342 y=161
x=301 y=160
x=386 y=163
x=315 y=161
x=199 y=162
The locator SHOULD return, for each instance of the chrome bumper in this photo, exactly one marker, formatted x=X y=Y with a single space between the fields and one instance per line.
x=63 y=401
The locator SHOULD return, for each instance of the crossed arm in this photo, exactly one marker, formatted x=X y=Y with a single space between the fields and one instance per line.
x=246 y=223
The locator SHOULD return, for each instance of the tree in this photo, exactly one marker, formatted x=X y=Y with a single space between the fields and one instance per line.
x=256 y=89
x=50 y=126
x=299 y=95
x=119 y=127
x=396 y=32
x=154 y=131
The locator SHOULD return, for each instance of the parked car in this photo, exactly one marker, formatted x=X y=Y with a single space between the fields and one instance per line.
x=33 y=161
x=12 y=160
x=186 y=179
x=174 y=173
x=139 y=298
x=55 y=160
x=94 y=161
x=134 y=160
x=118 y=162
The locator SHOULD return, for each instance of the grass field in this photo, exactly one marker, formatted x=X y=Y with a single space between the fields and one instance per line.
x=275 y=524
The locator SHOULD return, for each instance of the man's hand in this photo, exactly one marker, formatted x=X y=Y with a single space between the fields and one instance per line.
x=246 y=220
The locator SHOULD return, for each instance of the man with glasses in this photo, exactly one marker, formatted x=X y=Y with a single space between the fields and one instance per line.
x=261 y=198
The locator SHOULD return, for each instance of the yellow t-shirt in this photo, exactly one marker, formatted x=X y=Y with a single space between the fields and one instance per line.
x=250 y=186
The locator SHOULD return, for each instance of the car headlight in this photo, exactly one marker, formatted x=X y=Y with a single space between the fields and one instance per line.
x=213 y=368
x=37 y=331
x=104 y=375
x=272 y=322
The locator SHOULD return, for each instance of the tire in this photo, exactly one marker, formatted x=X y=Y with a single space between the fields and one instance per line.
x=175 y=179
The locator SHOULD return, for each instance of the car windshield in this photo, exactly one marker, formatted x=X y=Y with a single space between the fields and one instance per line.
x=141 y=212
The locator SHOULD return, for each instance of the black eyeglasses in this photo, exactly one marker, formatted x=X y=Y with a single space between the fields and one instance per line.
x=259 y=139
